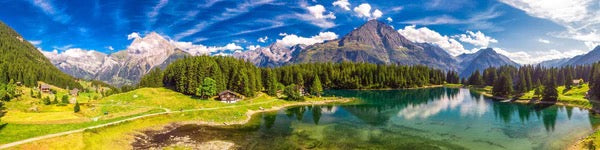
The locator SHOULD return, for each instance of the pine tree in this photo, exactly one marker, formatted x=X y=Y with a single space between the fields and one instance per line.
x=550 y=92
x=55 y=101
x=568 y=80
x=503 y=87
x=46 y=101
x=65 y=99
x=76 y=107
x=271 y=85
x=595 y=83
x=316 y=88
x=292 y=92
x=208 y=88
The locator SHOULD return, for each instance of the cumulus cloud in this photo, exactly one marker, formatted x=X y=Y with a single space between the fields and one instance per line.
x=476 y=38
x=253 y=47
x=364 y=11
x=110 y=48
x=318 y=16
x=263 y=39
x=389 y=19
x=344 y=4
x=292 y=39
x=538 y=56
x=198 y=49
x=544 y=41
x=318 y=11
x=426 y=35
x=133 y=35
x=580 y=18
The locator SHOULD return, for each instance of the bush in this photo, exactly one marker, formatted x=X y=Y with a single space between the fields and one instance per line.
x=293 y=92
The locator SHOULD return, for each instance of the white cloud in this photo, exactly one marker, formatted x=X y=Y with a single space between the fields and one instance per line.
x=318 y=11
x=35 y=42
x=292 y=39
x=64 y=47
x=155 y=10
x=425 y=35
x=538 y=56
x=110 y=48
x=476 y=38
x=344 y=4
x=317 y=15
x=49 y=9
x=198 y=49
x=133 y=35
x=478 y=21
x=389 y=19
x=253 y=47
x=377 y=13
x=364 y=11
x=263 y=39
x=543 y=41
x=580 y=18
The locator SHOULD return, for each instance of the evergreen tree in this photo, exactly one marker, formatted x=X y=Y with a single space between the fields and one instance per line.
x=292 y=92
x=76 y=107
x=46 y=101
x=208 y=88
x=503 y=87
x=568 y=80
x=537 y=92
x=55 y=101
x=65 y=99
x=316 y=88
x=271 y=84
x=489 y=76
x=475 y=79
x=595 y=83
x=550 y=92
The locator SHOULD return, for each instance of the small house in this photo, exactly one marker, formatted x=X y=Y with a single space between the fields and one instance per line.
x=230 y=96
x=44 y=88
x=577 y=82
x=74 y=92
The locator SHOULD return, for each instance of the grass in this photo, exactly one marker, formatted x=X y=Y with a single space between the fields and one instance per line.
x=126 y=105
x=574 y=96
x=453 y=85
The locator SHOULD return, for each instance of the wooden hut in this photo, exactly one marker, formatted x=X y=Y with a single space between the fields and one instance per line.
x=230 y=96
x=44 y=88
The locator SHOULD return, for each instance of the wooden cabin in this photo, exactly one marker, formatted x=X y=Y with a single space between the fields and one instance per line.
x=230 y=96
x=44 y=88
x=74 y=92
x=577 y=82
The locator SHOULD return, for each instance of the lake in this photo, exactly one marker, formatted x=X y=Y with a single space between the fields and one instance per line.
x=435 y=118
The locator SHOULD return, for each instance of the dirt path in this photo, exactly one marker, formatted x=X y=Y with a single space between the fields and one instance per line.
x=167 y=111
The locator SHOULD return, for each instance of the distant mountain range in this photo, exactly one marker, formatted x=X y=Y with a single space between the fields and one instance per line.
x=120 y=68
x=589 y=58
x=373 y=42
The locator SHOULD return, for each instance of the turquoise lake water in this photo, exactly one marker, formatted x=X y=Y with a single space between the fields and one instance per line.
x=436 y=118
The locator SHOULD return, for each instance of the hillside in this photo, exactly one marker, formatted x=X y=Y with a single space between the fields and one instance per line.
x=22 y=62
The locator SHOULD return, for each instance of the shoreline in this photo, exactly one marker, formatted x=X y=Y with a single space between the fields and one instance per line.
x=250 y=113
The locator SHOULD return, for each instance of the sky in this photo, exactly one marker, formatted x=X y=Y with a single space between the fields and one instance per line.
x=527 y=31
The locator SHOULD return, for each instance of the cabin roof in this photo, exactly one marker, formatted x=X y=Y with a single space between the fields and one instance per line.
x=228 y=91
x=45 y=86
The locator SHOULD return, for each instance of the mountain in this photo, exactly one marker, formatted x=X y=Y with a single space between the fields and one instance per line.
x=589 y=58
x=21 y=62
x=482 y=59
x=377 y=42
x=274 y=55
x=554 y=62
x=120 y=68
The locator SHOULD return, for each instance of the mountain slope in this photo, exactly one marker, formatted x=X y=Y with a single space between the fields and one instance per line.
x=482 y=59
x=589 y=58
x=121 y=68
x=20 y=61
x=376 y=42
x=272 y=56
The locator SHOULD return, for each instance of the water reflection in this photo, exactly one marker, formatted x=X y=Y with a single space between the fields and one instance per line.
x=438 y=118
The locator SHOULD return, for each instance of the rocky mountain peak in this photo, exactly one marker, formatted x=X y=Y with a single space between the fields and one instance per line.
x=377 y=35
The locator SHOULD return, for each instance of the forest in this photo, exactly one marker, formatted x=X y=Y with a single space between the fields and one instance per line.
x=508 y=81
x=186 y=76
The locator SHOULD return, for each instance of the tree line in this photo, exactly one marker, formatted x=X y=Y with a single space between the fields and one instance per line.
x=188 y=75
x=508 y=81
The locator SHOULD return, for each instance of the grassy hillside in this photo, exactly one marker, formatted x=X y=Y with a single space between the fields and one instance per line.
x=574 y=96
x=22 y=62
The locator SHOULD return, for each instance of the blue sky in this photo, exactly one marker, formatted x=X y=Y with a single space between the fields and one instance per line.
x=527 y=32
